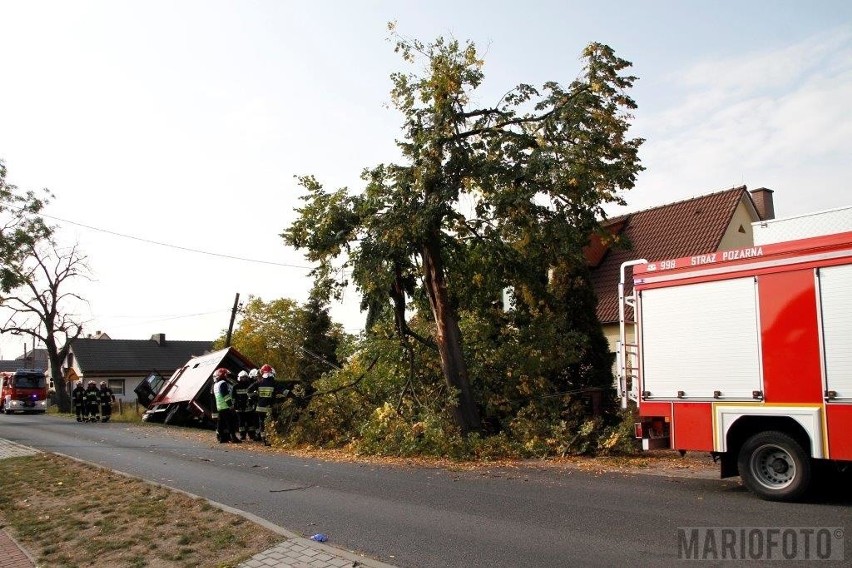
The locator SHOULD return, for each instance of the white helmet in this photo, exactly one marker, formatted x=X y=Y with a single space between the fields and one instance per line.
x=253 y=373
x=242 y=375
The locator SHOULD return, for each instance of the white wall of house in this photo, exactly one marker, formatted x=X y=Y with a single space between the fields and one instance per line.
x=739 y=233
x=122 y=385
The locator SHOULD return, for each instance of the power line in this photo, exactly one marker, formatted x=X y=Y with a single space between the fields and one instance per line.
x=158 y=320
x=178 y=247
x=162 y=317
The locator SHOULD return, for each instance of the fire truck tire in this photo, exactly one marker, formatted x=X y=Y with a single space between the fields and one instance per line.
x=775 y=467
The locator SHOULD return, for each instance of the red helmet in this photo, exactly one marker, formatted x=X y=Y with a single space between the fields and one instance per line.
x=221 y=373
x=267 y=370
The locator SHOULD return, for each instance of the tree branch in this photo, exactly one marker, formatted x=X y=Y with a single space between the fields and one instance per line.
x=515 y=121
x=353 y=383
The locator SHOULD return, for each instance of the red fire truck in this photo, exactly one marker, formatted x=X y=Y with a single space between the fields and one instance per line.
x=746 y=354
x=24 y=390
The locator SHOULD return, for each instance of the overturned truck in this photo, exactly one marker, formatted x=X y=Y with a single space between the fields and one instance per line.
x=186 y=398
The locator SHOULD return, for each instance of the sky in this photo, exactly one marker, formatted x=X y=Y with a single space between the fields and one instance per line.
x=184 y=122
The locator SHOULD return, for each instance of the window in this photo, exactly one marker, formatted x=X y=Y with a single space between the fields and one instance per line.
x=155 y=381
x=116 y=386
x=26 y=380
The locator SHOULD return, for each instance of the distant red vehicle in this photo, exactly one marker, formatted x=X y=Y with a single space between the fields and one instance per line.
x=24 y=390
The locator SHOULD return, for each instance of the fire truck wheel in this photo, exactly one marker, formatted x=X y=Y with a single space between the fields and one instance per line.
x=775 y=467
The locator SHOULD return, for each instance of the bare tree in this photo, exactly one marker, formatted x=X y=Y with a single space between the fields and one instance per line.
x=41 y=305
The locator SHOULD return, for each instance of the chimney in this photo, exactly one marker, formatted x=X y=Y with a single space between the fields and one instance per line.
x=160 y=338
x=762 y=197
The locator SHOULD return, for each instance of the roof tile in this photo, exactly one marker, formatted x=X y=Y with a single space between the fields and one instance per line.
x=685 y=228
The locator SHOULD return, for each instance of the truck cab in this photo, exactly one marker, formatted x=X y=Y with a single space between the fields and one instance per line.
x=24 y=390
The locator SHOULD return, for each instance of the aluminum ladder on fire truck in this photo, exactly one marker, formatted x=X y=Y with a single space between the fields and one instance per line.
x=627 y=356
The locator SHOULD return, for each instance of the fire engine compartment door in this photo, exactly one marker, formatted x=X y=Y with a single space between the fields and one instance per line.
x=701 y=339
x=835 y=289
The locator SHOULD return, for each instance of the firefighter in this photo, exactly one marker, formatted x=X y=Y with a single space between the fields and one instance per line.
x=93 y=401
x=254 y=378
x=226 y=424
x=107 y=398
x=78 y=396
x=241 y=403
x=268 y=392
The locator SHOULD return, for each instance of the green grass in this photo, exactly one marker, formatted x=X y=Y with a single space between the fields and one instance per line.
x=51 y=512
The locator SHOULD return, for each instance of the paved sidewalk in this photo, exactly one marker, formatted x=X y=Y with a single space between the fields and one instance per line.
x=304 y=553
x=11 y=554
x=293 y=552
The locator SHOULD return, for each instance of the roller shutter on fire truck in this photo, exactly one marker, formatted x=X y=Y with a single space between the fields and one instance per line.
x=835 y=288
x=713 y=353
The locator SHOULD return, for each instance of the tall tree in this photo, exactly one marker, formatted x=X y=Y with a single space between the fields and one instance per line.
x=21 y=227
x=538 y=167
x=269 y=333
x=42 y=305
x=300 y=342
x=320 y=340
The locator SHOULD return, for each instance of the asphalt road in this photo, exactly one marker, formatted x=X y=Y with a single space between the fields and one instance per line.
x=429 y=517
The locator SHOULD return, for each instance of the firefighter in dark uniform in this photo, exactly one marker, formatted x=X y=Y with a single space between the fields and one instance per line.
x=241 y=403
x=254 y=378
x=78 y=395
x=93 y=401
x=268 y=392
x=226 y=424
x=107 y=398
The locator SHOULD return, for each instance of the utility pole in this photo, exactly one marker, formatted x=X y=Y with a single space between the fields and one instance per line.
x=233 y=316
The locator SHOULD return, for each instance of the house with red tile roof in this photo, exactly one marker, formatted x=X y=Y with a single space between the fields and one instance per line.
x=705 y=224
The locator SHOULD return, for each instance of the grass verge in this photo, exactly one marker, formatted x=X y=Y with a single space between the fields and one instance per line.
x=127 y=412
x=72 y=514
